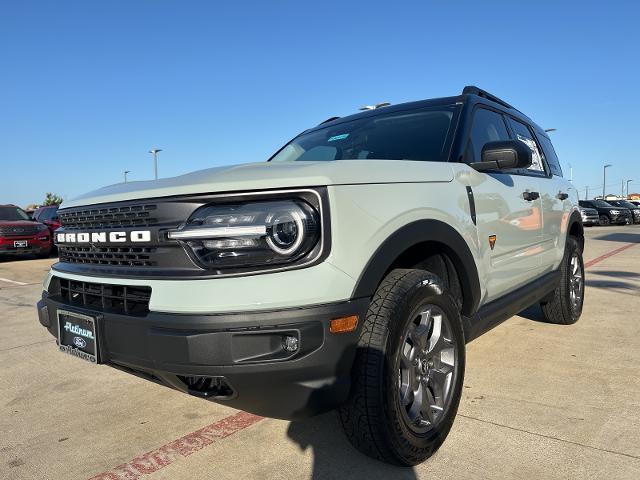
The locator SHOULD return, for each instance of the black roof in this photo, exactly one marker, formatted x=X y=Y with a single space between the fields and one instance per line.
x=469 y=94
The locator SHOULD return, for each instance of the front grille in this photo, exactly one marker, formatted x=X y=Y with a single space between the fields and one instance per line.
x=18 y=231
x=120 y=256
x=110 y=217
x=124 y=299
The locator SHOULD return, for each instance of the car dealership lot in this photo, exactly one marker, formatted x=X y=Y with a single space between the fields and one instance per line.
x=540 y=401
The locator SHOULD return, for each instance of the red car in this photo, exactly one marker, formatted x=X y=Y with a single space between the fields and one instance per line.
x=21 y=236
x=49 y=216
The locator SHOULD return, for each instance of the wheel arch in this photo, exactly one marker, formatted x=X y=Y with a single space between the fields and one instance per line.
x=437 y=238
x=576 y=229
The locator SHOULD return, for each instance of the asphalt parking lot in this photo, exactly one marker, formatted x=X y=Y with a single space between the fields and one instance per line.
x=540 y=401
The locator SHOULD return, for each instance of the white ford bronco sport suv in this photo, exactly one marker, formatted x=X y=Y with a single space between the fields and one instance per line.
x=348 y=271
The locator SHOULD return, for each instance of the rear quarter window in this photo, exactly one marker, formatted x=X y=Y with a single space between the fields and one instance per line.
x=550 y=155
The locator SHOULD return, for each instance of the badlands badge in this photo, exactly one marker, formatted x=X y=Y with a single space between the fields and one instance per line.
x=492 y=241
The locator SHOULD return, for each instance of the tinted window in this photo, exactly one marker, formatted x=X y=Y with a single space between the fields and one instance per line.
x=550 y=155
x=13 y=214
x=522 y=133
x=601 y=204
x=488 y=126
x=43 y=214
x=415 y=135
x=584 y=203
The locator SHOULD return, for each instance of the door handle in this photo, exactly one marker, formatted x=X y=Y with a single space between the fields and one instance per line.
x=530 y=196
x=562 y=196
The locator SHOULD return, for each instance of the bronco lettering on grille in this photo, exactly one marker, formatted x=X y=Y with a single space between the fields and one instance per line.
x=137 y=236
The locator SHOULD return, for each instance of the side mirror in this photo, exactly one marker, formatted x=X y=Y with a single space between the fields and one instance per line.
x=504 y=155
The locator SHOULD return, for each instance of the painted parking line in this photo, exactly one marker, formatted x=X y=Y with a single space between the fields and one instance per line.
x=12 y=281
x=591 y=263
x=159 y=458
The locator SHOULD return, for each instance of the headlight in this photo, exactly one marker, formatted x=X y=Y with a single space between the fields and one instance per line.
x=254 y=234
x=614 y=212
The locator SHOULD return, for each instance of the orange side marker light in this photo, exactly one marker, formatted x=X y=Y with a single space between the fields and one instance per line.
x=344 y=324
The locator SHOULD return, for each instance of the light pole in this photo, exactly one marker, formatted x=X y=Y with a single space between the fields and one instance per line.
x=155 y=152
x=125 y=175
x=628 y=181
x=604 y=179
x=586 y=195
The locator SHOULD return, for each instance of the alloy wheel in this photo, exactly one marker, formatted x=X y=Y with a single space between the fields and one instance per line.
x=576 y=282
x=426 y=370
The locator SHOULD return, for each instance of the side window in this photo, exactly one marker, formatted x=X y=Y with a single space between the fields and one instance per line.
x=488 y=126
x=522 y=133
x=550 y=155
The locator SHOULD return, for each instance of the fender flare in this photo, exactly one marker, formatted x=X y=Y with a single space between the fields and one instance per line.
x=576 y=218
x=413 y=234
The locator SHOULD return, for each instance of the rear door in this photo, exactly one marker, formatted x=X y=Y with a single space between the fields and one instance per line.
x=509 y=227
x=558 y=199
x=556 y=194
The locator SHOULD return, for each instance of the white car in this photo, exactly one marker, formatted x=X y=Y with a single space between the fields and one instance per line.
x=348 y=271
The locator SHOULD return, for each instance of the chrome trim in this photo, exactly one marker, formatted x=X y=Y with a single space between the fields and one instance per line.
x=217 y=232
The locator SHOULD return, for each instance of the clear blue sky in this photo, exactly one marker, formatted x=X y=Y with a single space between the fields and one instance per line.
x=87 y=87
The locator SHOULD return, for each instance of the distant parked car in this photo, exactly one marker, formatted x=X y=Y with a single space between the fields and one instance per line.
x=635 y=202
x=635 y=209
x=608 y=213
x=19 y=235
x=590 y=216
x=49 y=216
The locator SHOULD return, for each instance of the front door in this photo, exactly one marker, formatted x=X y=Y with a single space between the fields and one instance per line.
x=508 y=213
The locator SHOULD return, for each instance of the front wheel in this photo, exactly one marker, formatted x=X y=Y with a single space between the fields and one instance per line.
x=409 y=369
x=604 y=220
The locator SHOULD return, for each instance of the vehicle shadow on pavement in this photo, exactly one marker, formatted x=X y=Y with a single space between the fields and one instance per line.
x=620 y=237
x=615 y=273
x=533 y=312
x=333 y=455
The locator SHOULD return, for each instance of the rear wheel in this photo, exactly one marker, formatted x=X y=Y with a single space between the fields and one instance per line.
x=565 y=304
x=604 y=220
x=409 y=369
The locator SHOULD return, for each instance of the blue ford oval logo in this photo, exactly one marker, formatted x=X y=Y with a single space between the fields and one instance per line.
x=79 y=342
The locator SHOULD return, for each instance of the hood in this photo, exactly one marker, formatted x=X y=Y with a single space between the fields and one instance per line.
x=270 y=175
x=17 y=223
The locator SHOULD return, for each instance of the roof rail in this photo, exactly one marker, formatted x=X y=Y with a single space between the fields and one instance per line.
x=329 y=120
x=472 y=90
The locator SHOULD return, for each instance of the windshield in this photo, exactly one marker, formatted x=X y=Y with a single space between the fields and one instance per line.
x=48 y=213
x=625 y=204
x=602 y=204
x=12 y=214
x=410 y=135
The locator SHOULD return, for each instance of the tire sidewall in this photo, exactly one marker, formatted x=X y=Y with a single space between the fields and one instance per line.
x=408 y=444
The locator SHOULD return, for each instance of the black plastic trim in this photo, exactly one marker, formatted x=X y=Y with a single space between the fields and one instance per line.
x=494 y=313
x=472 y=204
x=414 y=234
x=240 y=349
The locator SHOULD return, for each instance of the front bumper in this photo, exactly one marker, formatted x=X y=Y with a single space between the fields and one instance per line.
x=35 y=244
x=232 y=358
x=622 y=218
x=590 y=219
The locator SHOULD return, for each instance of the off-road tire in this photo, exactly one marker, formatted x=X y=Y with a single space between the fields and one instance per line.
x=372 y=417
x=559 y=308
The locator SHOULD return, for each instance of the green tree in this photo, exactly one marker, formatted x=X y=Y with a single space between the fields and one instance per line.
x=52 y=199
